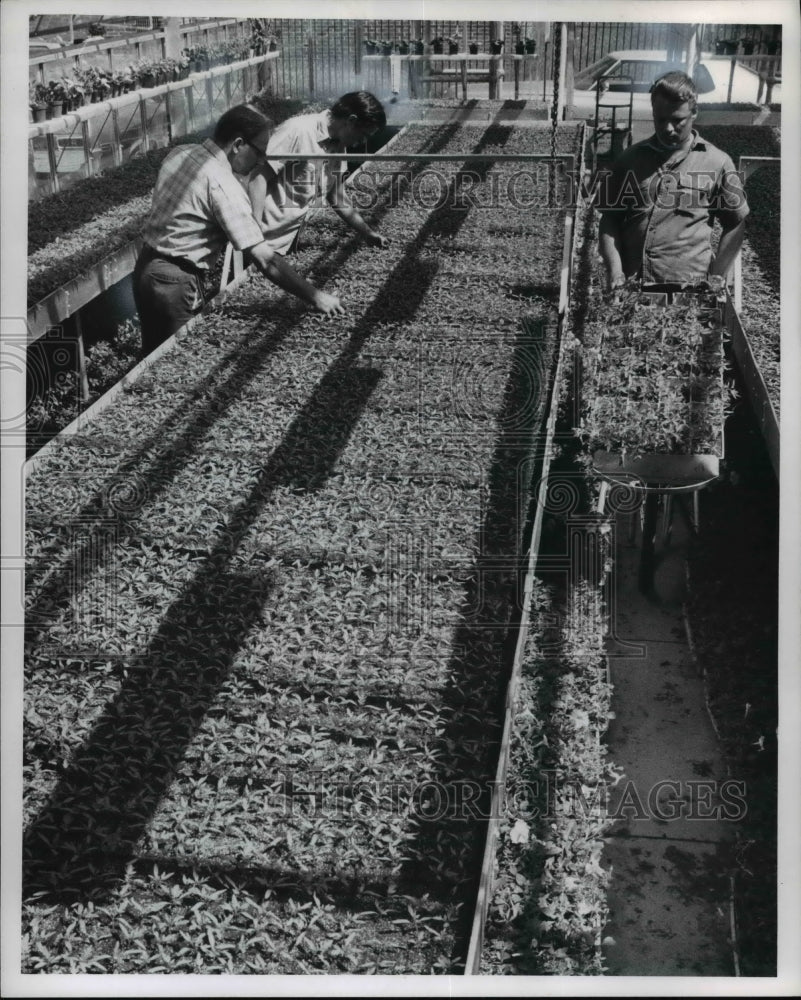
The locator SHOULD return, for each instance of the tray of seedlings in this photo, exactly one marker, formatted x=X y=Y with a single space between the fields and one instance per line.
x=654 y=395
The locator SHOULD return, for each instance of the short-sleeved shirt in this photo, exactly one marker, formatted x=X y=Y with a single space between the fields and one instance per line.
x=199 y=206
x=294 y=185
x=665 y=204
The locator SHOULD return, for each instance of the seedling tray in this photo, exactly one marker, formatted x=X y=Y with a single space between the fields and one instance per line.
x=639 y=365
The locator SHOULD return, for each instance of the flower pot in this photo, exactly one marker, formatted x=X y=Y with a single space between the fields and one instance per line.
x=147 y=80
x=273 y=46
x=403 y=49
x=418 y=48
x=520 y=48
x=496 y=48
x=453 y=48
x=55 y=109
x=530 y=46
x=39 y=112
x=748 y=47
x=386 y=50
x=437 y=48
x=472 y=48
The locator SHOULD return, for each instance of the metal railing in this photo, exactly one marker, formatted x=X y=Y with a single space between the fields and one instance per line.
x=119 y=52
x=97 y=137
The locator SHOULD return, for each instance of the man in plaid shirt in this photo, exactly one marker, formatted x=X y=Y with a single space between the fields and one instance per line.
x=199 y=205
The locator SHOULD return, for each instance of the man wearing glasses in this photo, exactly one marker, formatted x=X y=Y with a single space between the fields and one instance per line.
x=283 y=191
x=199 y=206
x=660 y=201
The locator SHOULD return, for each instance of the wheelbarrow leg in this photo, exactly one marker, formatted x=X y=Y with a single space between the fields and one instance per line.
x=646 y=575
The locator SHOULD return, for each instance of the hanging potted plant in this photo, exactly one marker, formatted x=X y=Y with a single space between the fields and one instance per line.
x=37 y=98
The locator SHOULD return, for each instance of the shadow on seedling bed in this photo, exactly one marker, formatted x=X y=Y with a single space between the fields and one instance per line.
x=79 y=844
x=197 y=414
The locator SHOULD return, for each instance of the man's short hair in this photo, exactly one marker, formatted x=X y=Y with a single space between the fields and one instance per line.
x=243 y=121
x=676 y=87
x=363 y=106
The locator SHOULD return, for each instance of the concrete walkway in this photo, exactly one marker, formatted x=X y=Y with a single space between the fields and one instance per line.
x=668 y=898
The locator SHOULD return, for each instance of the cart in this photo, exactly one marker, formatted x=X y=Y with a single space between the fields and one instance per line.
x=654 y=479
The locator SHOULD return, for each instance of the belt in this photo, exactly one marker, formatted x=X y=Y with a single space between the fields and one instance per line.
x=181 y=262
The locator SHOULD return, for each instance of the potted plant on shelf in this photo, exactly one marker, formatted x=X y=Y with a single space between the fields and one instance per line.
x=417 y=46
x=403 y=47
x=530 y=45
x=437 y=45
x=37 y=98
x=145 y=73
x=496 y=47
x=370 y=46
x=472 y=47
x=386 y=47
x=57 y=97
x=453 y=43
x=76 y=95
x=182 y=66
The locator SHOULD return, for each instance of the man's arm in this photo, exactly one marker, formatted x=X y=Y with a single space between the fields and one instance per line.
x=731 y=239
x=609 y=247
x=257 y=191
x=275 y=268
x=339 y=199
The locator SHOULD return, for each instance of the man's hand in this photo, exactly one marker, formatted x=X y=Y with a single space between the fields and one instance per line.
x=327 y=304
x=374 y=239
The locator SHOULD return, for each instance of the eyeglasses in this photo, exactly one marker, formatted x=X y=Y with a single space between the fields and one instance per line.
x=262 y=152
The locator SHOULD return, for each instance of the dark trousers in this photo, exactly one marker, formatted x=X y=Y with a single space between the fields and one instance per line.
x=167 y=294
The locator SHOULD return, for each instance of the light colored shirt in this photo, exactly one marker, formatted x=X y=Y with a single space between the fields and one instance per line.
x=665 y=203
x=293 y=186
x=199 y=206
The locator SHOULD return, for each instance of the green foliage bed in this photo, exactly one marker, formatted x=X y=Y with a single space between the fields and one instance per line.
x=268 y=597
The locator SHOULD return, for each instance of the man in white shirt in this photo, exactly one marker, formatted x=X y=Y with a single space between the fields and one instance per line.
x=282 y=191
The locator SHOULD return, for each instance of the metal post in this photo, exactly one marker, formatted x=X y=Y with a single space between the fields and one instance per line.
x=190 y=106
x=82 y=376
x=210 y=97
x=53 y=163
x=143 y=121
x=310 y=40
x=87 y=142
x=168 y=111
x=731 y=79
x=117 y=144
